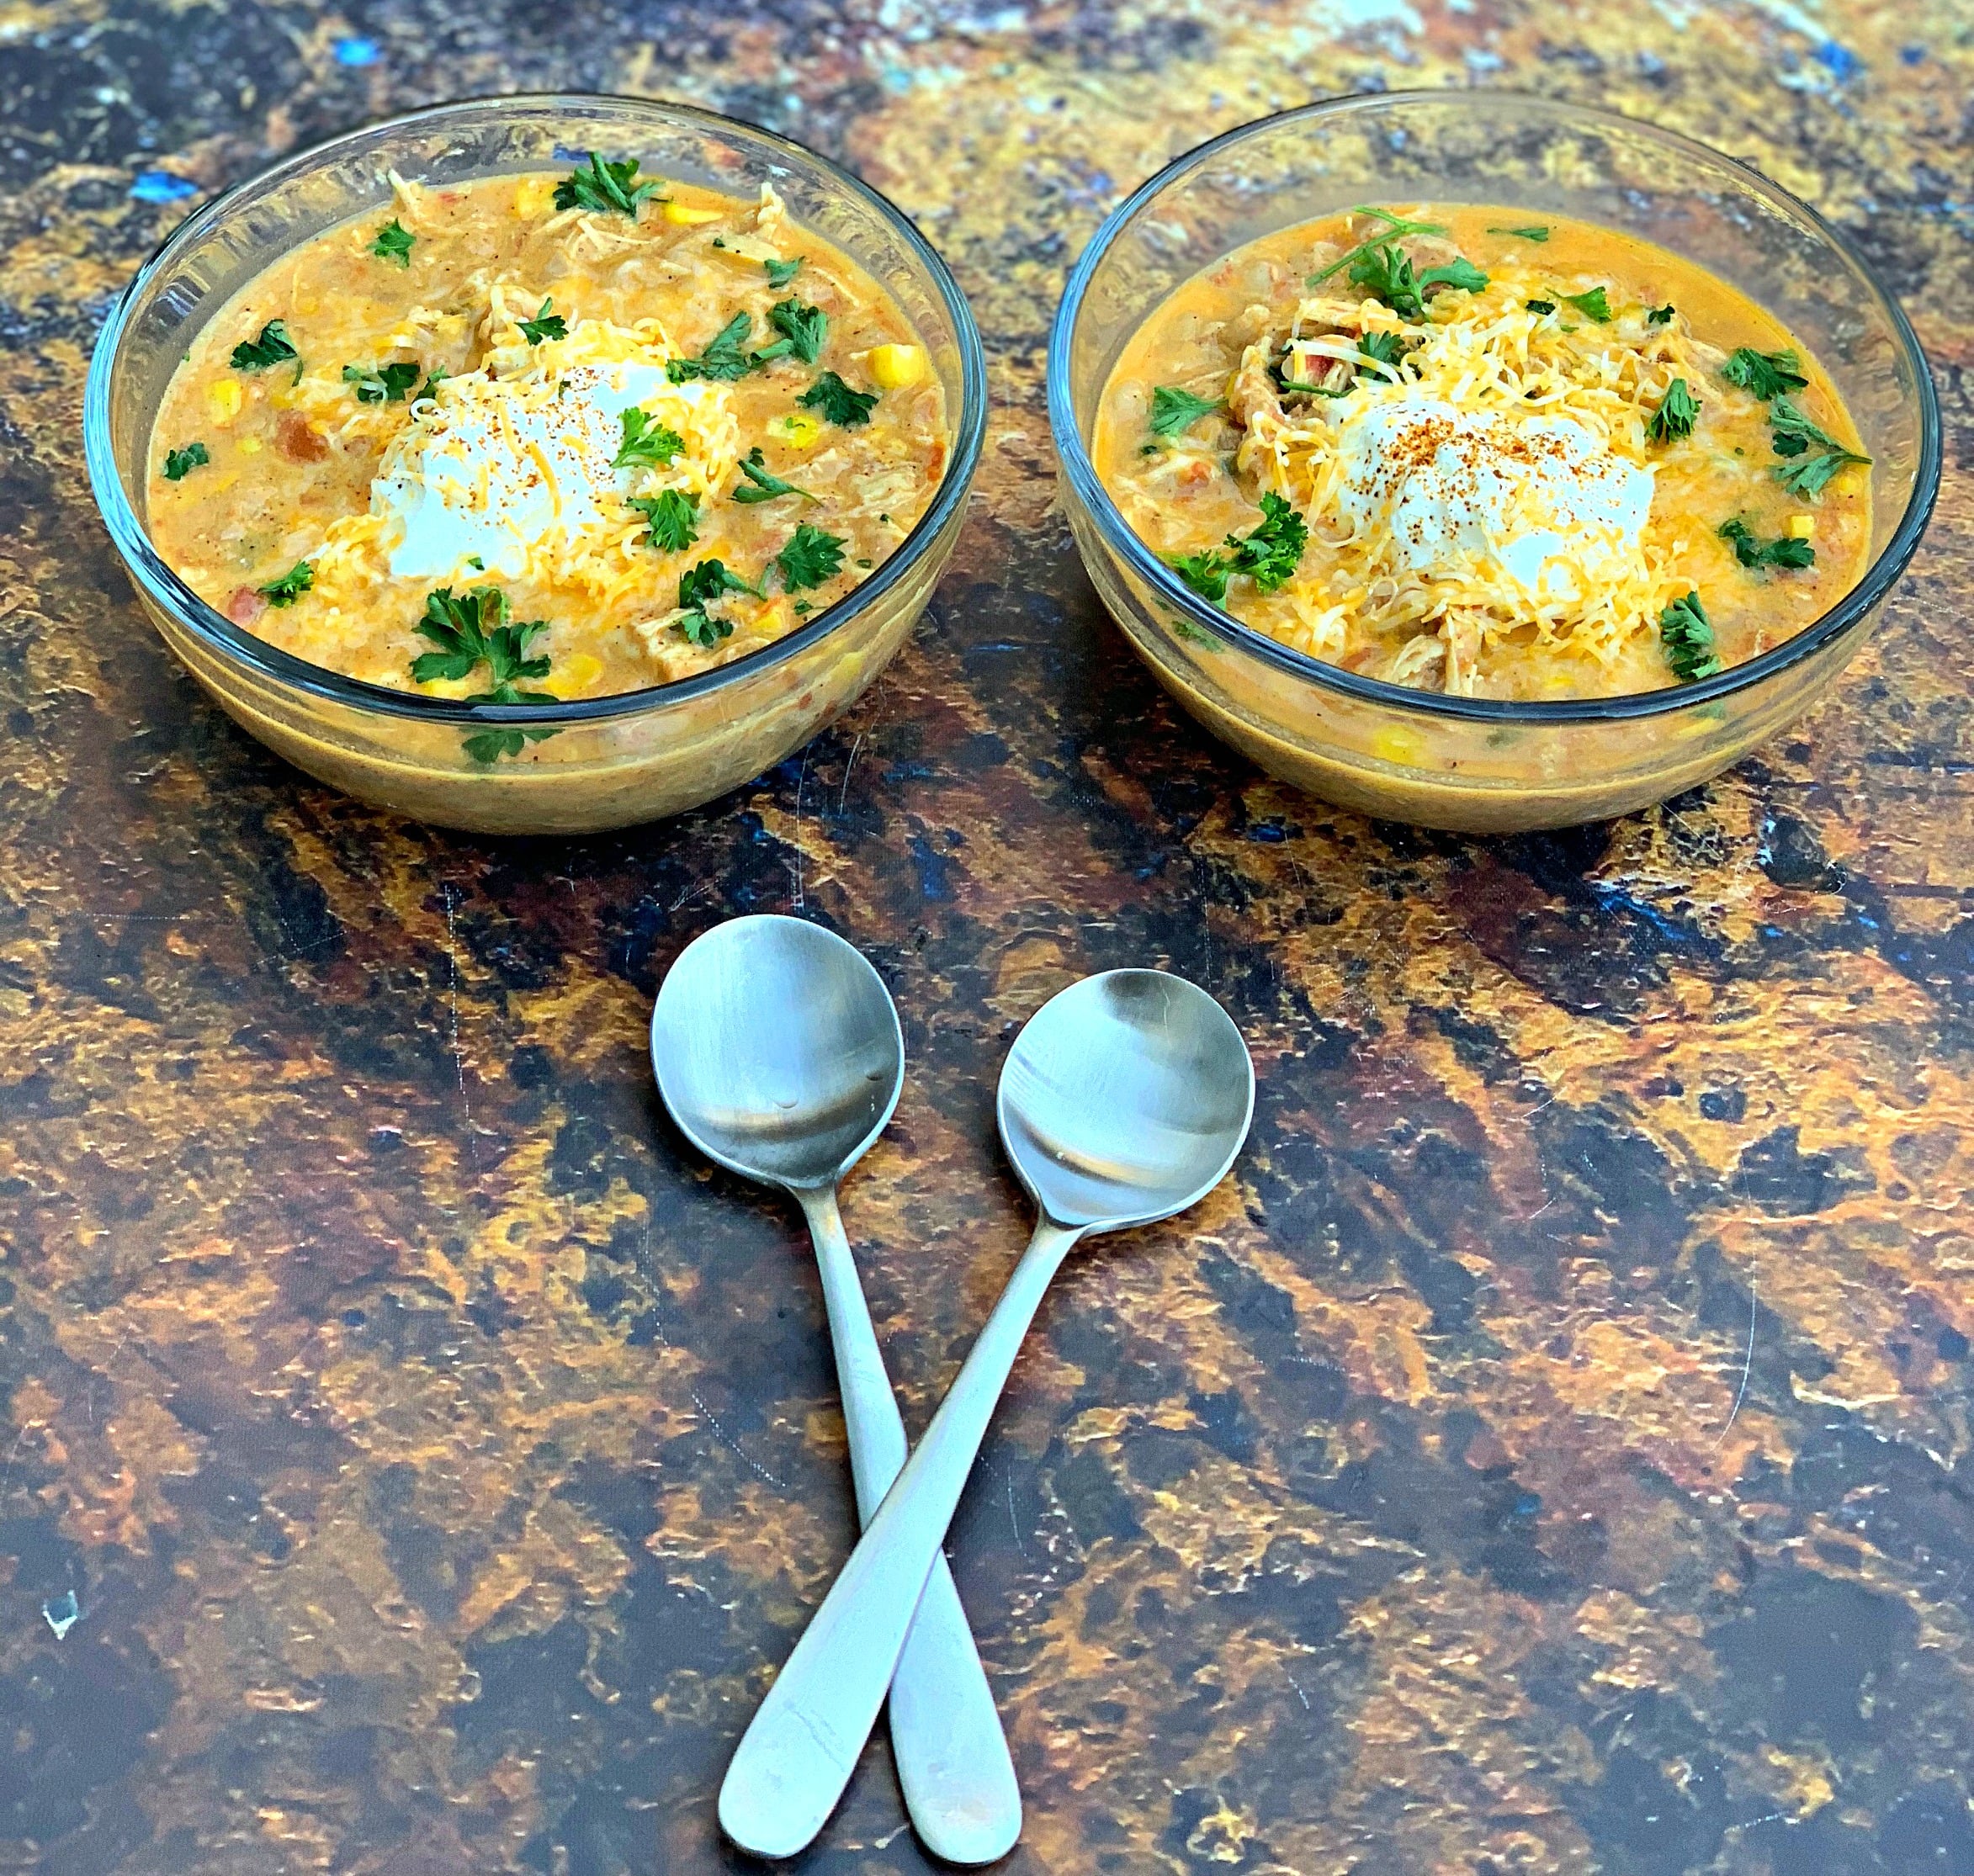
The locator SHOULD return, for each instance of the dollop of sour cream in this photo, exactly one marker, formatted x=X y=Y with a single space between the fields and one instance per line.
x=1543 y=499
x=495 y=468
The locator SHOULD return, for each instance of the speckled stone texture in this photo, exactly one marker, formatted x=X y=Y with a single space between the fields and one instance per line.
x=1550 y=1452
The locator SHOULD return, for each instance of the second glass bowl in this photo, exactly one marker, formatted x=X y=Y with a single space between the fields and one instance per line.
x=607 y=761
x=1478 y=764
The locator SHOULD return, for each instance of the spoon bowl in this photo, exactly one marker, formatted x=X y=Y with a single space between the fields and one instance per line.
x=1125 y=1099
x=777 y=1050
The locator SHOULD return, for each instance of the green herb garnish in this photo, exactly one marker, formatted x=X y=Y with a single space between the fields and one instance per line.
x=1785 y=552
x=1268 y=553
x=471 y=630
x=1678 y=410
x=1461 y=273
x=1394 y=226
x=764 y=486
x=1818 y=455
x=647 y=443
x=1543 y=306
x=434 y=379
x=1383 y=348
x=1385 y=273
x=604 y=187
x=394 y=243
x=838 y=402
x=178 y=463
x=701 y=586
x=802 y=328
x=1687 y=634
x=1660 y=315
x=290 y=586
x=273 y=347
x=1764 y=374
x=724 y=358
x=1175 y=409
x=547 y=324
x=780 y=273
x=1593 y=306
x=810 y=557
x=1537 y=233
x=671 y=519
x=388 y=384
x=1205 y=573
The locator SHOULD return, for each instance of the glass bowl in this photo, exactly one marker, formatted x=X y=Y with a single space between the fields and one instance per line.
x=1481 y=765
x=608 y=761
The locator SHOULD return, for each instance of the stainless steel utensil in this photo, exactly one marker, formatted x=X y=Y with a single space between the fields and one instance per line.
x=1124 y=1100
x=778 y=1053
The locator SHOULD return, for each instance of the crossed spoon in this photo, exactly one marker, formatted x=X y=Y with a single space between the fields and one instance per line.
x=1124 y=1100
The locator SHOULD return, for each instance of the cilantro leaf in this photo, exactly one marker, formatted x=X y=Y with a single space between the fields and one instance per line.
x=547 y=324
x=394 y=243
x=1660 y=315
x=1687 y=634
x=603 y=187
x=671 y=519
x=724 y=358
x=1538 y=233
x=471 y=629
x=838 y=402
x=1383 y=348
x=1205 y=573
x=764 y=486
x=647 y=443
x=802 y=328
x=1678 y=410
x=290 y=586
x=1269 y=552
x=388 y=384
x=1818 y=455
x=1394 y=226
x=178 y=463
x=1764 y=374
x=1593 y=306
x=1461 y=273
x=1385 y=274
x=809 y=557
x=702 y=629
x=434 y=379
x=1785 y=552
x=1543 y=306
x=1174 y=410
x=273 y=347
x=708 y=580
x=780 y=273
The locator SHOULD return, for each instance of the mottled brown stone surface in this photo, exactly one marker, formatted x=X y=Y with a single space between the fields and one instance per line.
x=1550 y=1453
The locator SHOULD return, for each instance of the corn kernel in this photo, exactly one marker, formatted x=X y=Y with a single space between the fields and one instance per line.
x=1394 y=744
x=690 y=218
x=533 y=195
x=895 y=366
x=222 y=398
x=575 y=676
x=250 y=446
x=1803 y=527
x=797 y=427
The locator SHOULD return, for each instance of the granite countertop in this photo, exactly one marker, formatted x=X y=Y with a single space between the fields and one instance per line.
x=1548 y=1453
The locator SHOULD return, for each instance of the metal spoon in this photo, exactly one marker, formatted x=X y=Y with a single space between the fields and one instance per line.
x=1124 y=1100
x=777 y=1052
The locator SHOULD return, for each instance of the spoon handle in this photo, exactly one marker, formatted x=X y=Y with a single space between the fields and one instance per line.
x=946 y=1735
x=797 y=1756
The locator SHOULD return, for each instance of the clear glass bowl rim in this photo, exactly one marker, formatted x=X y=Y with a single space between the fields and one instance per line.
x=237 y=644
x=1848 y=611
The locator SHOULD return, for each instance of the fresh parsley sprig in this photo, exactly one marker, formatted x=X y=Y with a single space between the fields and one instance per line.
x=1536 y=233
x=838 y=402
x=388 y=384
x=290 y=586
x=1764 y=374
x=1593 y=304
x=725 y=358
x=1268 y=553
x=647 y=442
x=703 y=585
x=1661 y=315
x=1175 y=409
x=1384 y=348
x=547 y=323
x=178 y=463
x=671 y=519
x=1687 y=634
x=763 y=484
x=1751 y=551
x=605 y=187
x=471 y=629
x=1816 y=455
x=803 y=329
x=273 y=347
x=394 y=243
x=810 y=557
x=1678 y=411
x=1385 y=273
x=780 y=273
x=1395 y=226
